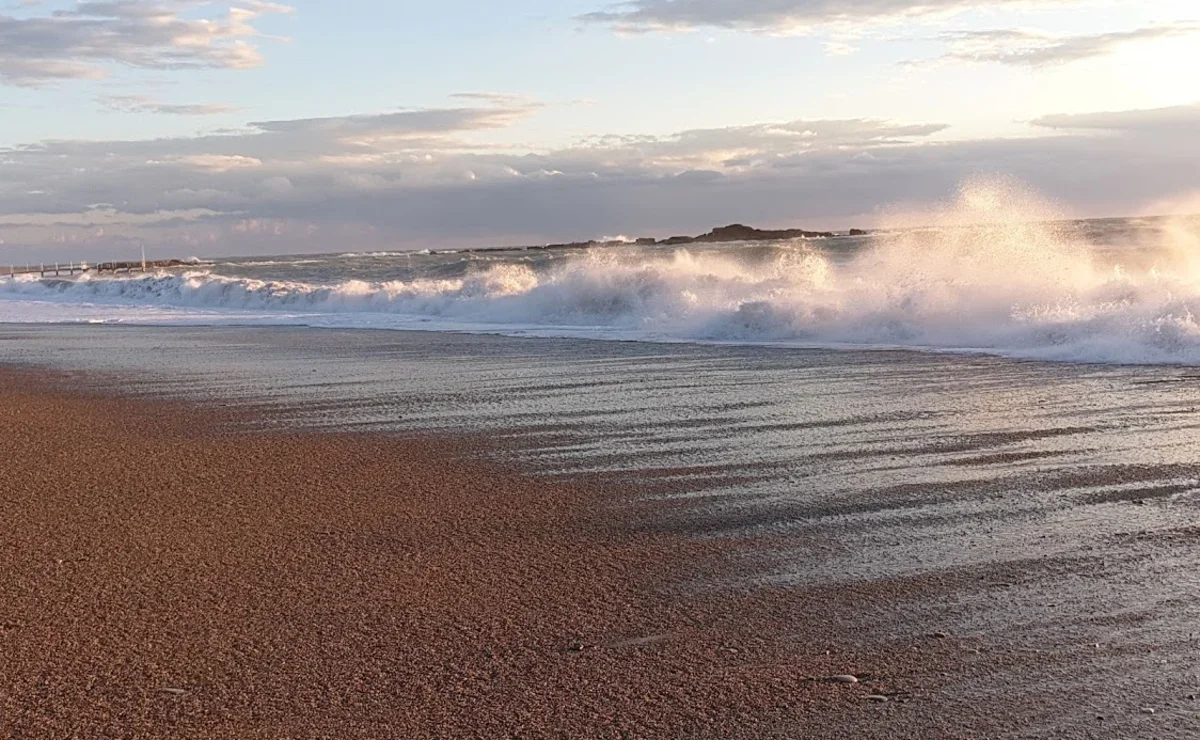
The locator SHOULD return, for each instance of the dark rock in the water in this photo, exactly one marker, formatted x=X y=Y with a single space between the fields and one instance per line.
x=742 y=233
x=675 y=240
x=731 y=233
x=859 y=232
x=645 y=242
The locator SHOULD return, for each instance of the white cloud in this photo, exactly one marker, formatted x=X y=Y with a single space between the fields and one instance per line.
x=494 y=98
x=85 y=42
x=220 y=162
x=779 y=15
x=1180 y=118
x=1041 y=49
x=148 y=104
x=839 y=49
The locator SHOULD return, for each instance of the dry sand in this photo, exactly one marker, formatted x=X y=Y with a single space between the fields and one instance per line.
x=164 y=575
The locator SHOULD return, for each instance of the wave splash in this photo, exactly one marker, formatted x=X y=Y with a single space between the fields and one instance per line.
x=1019 y=285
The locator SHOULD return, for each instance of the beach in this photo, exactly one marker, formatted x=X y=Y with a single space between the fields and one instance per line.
x=431 y=535
x=364 y=376
x=166 y=576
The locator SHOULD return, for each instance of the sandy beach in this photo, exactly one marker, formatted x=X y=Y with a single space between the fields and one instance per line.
x=167 y=576
x=302 y=534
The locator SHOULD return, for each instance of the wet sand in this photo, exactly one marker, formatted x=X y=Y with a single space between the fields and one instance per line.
x=167 y=572
x=166 y=575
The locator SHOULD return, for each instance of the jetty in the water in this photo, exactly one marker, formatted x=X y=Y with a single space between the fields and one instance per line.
x=78 y=268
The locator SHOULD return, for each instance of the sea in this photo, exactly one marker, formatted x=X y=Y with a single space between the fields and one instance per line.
x=1098 y=291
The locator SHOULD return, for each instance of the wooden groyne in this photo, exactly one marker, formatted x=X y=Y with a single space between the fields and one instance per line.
x=78 y=268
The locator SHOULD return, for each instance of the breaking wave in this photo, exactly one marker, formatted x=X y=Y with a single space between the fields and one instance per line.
x=1016 y=286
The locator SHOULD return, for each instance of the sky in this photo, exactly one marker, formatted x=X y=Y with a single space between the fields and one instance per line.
x=190 y=127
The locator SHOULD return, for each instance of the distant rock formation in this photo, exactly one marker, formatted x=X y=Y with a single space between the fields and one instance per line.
x=859 y=232
x=742 y=233
x=722 y=234
x=672 y=241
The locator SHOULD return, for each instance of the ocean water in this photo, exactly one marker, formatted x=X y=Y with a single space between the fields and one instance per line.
x=1107 y=291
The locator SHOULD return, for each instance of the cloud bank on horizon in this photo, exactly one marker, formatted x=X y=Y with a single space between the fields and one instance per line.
x=479 y=169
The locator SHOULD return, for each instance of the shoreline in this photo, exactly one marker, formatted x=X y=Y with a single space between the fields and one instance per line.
x=550 y=334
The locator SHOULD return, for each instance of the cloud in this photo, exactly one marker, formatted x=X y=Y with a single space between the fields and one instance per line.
x=147 y=104
x=774 y=15
x=839 y=49
x=1154 y=121
x=424 y=176
x=219 y=162
x=1040 y=49
x=85 y=42
x=490 y=97
x=742 y=147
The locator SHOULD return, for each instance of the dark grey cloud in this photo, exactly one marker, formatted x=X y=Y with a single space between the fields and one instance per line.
x=427 y=176
x=646 y=15
x=151 y=34
x=1037 y=49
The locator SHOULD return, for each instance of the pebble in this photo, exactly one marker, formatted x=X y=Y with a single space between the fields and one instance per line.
x=844 y=679
x=1191 y=697
x=877 y=698
x=174 y=692
x=1147 y=710
x=940 y=635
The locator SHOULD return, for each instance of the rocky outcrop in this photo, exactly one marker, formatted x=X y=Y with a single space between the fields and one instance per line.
x=742 y=233
x=719 y=235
